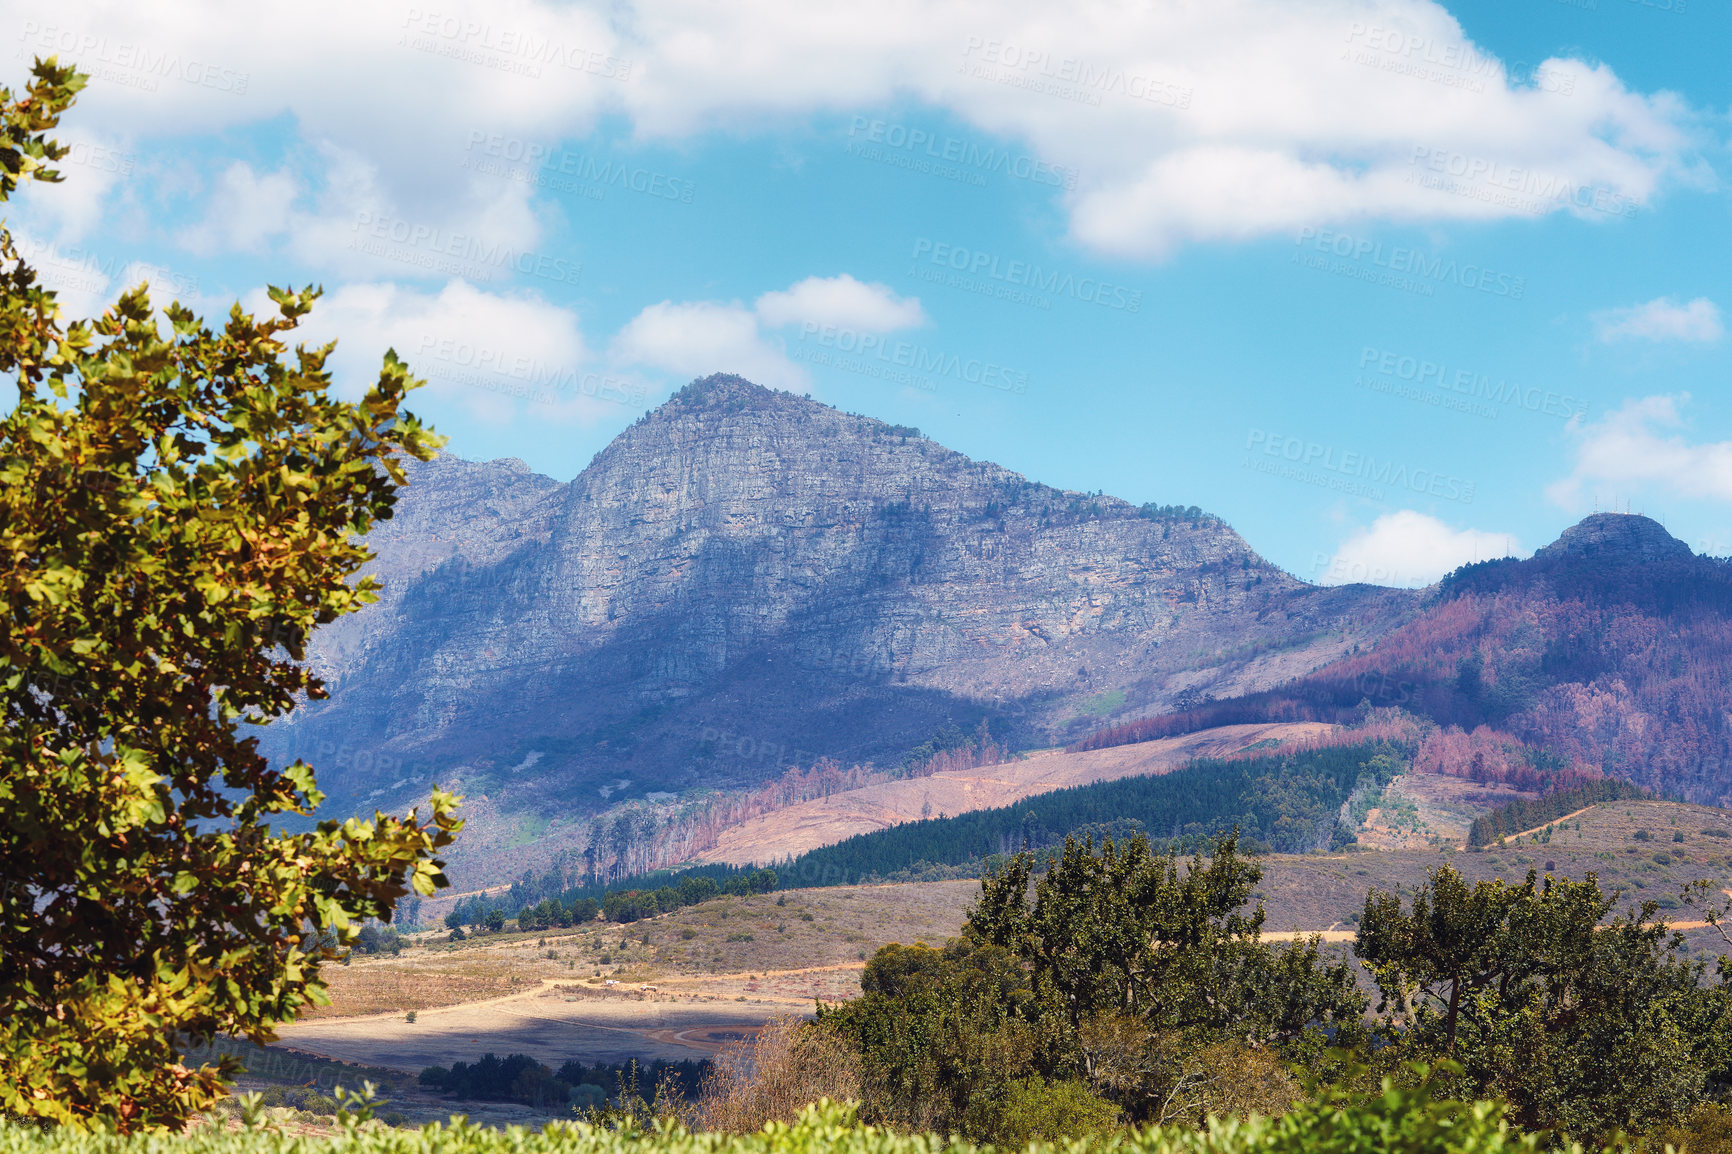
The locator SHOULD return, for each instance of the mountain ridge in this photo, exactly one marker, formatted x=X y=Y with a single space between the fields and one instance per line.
x=753 y=566
x=1607 y=652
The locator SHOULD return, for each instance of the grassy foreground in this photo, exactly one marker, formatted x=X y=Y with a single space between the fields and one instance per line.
x=1398 y=1119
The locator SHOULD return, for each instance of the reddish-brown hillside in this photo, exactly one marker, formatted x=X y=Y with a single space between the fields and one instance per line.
x=1608 y=651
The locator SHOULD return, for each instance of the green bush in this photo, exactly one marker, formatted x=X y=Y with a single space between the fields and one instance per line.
x=1404 y=1120
x=1038 y=1110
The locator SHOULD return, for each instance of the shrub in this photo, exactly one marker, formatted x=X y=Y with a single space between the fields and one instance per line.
x=788 y=1066
x=1038 y=1110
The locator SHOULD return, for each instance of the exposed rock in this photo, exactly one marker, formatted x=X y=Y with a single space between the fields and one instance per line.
x=745 y=578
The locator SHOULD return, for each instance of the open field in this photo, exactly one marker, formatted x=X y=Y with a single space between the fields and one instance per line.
x=689 y=981
x=825 y=821
x=1423 y=810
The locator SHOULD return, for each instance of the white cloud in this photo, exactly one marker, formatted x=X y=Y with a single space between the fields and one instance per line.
x=90 y=171
x=697 y=338
x=1187 y=123
x=1663 y=319
x=841 y=302
x=488 y=352
x=245 y=210
x=1409 y=549
x=1643 y=444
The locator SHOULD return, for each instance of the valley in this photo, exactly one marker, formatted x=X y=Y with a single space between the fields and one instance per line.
x=679 y=985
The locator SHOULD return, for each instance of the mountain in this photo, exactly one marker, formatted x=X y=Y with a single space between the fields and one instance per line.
x=1609 y=651
x=746 y=579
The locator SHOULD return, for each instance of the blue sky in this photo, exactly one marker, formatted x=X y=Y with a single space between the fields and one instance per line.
x=1387 y=285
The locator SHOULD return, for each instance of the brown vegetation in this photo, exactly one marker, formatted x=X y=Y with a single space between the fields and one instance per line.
x=789 y=1065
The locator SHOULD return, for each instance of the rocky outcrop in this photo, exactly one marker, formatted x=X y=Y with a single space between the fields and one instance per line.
x=746 y=578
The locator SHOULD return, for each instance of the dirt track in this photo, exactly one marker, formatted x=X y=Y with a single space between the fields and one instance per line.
x=556 y=1021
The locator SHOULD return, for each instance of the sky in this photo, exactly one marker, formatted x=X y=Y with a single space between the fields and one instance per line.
x=1388 y=285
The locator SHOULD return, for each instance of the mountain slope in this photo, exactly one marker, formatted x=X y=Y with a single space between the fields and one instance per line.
x=1610 y=649
x=746 y=579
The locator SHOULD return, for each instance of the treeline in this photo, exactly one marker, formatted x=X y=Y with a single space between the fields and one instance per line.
x=1525 y=813
x=1287 y=803
x=520 y=1078
x=628 y=901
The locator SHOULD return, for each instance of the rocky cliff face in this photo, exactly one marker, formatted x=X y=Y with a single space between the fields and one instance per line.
x=746 y=579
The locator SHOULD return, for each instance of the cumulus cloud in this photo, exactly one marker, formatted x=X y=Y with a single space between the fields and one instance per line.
x=1644 y=444
x=1187 y=123
x=1409 y=549
x=246 y=210
x=488 y=352
x=694 y=339
x=841 y=302
x=1663 y=319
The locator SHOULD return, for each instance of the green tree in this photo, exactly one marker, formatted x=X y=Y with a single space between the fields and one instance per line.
x=1583 y=1024
x=949 y=1039
x=179 y=508
x=1128 y=975
x=1122 y=931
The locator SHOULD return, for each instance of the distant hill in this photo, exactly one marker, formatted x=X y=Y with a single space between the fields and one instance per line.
x=1609 y=651
x=746 y=580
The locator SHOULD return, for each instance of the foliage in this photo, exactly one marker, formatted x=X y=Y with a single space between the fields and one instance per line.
x=1121 y=973
x=1036 y=1110
x=1408 y=1120
x=944 y=1036
x=627 y=901
x=1523 y=814
x=773 y=1076
x=520 y=1078
x=179 y=508
x=377 y=939
x=1583 y=1027
x=1288 y=802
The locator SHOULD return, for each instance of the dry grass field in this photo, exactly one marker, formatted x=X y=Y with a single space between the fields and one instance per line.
x=682 y=984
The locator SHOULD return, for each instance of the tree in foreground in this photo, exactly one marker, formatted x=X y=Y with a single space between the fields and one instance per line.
x=179 y=508
x=1126 y=984
x=1584 y=1023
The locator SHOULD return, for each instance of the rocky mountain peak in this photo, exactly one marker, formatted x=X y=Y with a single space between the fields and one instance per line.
x=747 y=579
x=1617 y=537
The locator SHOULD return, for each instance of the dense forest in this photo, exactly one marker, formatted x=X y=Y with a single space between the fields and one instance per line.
x=1288 y=803
x=1612 y=660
